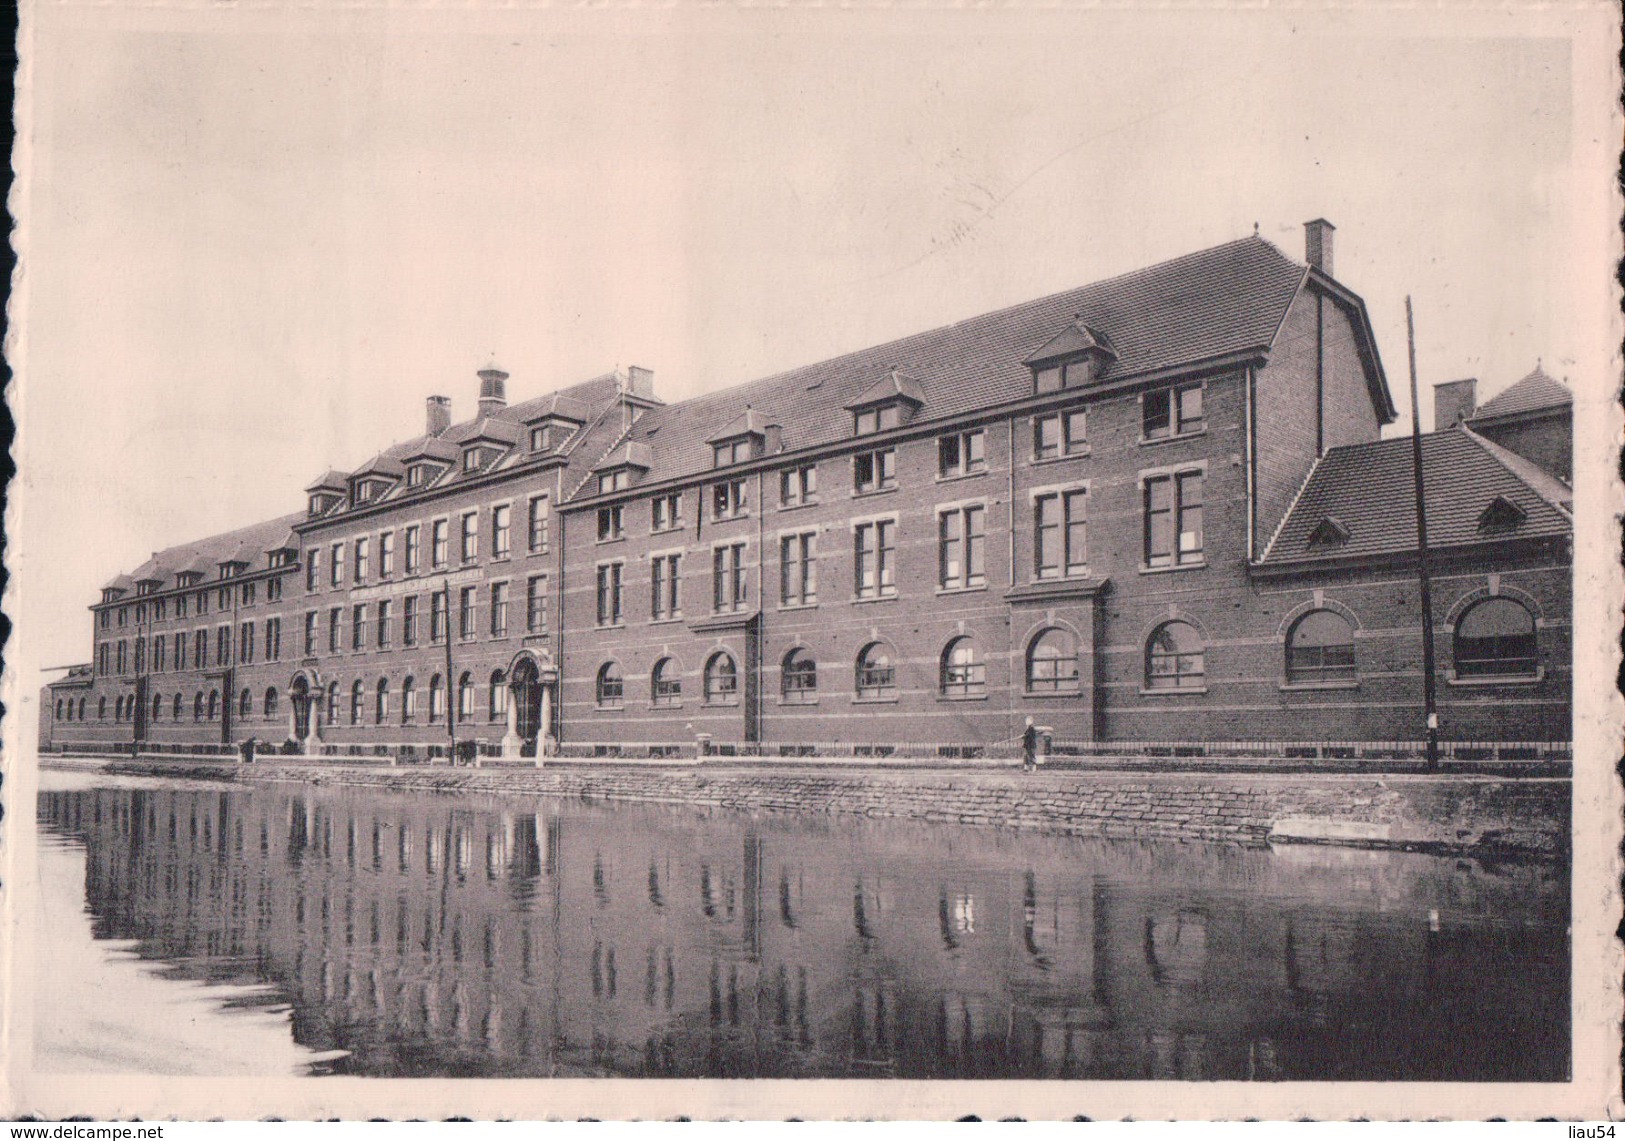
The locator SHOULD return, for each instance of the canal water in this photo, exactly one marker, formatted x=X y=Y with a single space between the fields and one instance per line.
x=326 y=930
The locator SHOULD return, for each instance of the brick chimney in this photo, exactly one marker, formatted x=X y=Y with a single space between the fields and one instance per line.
x=1317 y=245
x=439 y=418
x=640 y=382
x=1453 y=402
x=493 y=391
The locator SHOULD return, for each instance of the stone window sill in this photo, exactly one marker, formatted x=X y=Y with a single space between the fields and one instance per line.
x=1200 y=564
x=666 y=621
x=961 y=697
x=1311 y=686
x=798 y=506
x=878 y=598
x=871 y=492
x=1077 y=454
x=1045 y=694
x=1536 y=678
x=798 y=606
x=788 y=704
x=955 y=477
x=1177 y=691
x=979 y=589
x=1147 y=442
x=886 y=700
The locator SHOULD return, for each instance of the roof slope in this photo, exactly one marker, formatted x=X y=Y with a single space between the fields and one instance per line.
x=1369 y=490
x=1534 y=393
x=250 y=544
x=1218 y=302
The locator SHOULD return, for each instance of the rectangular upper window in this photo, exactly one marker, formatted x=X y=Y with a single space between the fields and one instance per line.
x=386 y=554
x=536 y=525
x=1060 y=434
x=798 y=569
x=438 y=543
x=798 y=486
x=1173 y=519
x=1169 y=412
x=499 y=610
x=664 y=586
x=609 y=594
x=536 y=604
x=666 y=512
x=500 y=530
x=611 y=523
x=413 y=548
x=363 y=559
x=728 y=581
x=471 y=536
x=728 y=499
x=874 y=471
x=963 y=453
x=875 y=559
x=961 y=547
x=1060 y=534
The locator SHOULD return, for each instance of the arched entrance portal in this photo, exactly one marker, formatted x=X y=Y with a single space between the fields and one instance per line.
x=531 y=679
x=304 y=712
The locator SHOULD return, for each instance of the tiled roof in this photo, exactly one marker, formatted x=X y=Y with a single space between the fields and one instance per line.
x=492 y=428
x=503 y=427
x=629 y=454
x=1075 y=338
x=250 y=545
x=1216 y=303
x=1369 y=490
x=748 y=423
x=330 y=480
x=1533 y=393
x=890 y=388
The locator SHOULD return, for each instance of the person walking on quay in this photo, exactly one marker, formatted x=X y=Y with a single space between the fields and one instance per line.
x=1029 y=746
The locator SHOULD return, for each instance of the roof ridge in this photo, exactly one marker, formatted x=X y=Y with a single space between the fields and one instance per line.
x=1309 y=476
x=989 y=315
x=1519 y=467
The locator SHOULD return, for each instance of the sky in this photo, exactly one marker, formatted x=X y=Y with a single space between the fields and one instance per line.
x=254 y=241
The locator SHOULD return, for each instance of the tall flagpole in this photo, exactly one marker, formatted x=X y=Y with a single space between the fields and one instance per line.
x=1429 y=697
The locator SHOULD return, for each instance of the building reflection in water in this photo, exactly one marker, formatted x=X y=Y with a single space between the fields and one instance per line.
x=538 y=938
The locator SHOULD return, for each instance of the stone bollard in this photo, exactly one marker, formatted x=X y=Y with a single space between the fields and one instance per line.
x=1046 y=736
x=702 y=745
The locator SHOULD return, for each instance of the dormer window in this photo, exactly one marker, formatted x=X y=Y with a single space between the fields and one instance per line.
x=146 y=586
x=473 y=459
x=230 y=570
x=736 y=451
x=369 y=489
x=889 y=402
x=1500 y=517
x=871 y=420
x=618 y=480
x=1329 y=532
x=281 y=558
x=188 y=578
x=322 y=502
x=1074 y=357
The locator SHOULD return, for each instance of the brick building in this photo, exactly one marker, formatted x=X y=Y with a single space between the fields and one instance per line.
x=1152 y=509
